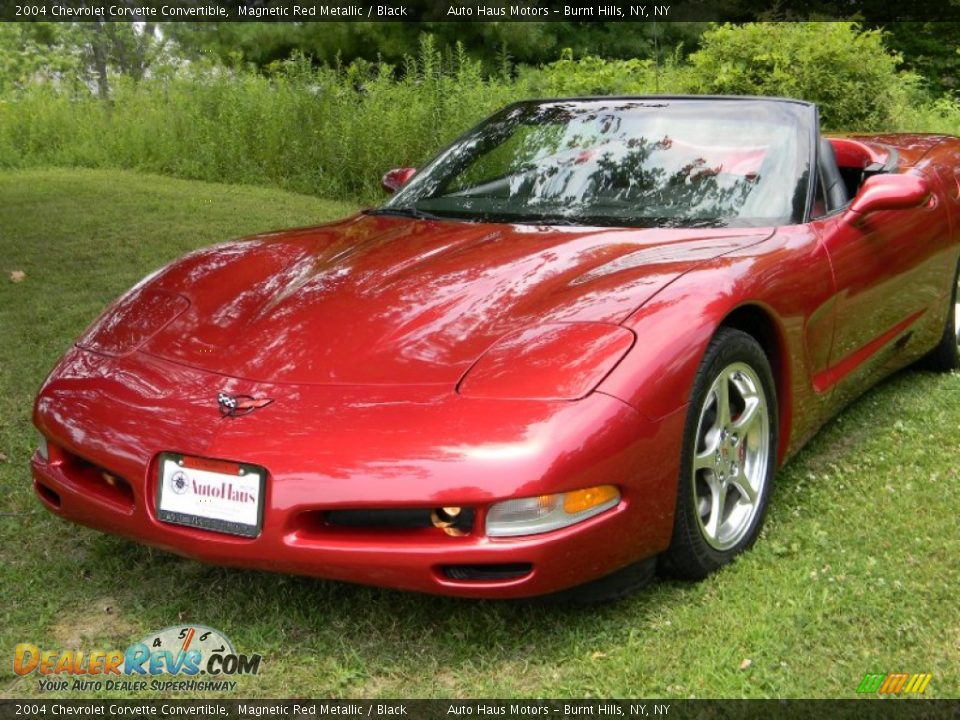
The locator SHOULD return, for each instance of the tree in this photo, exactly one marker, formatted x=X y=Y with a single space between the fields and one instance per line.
x=34 y=51
x=80 y=53
x=327 y=43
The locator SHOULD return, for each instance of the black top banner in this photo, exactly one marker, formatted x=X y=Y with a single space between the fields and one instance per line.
x=303 y=11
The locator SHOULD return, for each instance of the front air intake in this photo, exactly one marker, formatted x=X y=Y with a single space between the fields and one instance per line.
x=398 y=519
x=487 y=573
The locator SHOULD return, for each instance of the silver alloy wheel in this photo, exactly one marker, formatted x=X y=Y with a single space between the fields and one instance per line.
x=731 y=456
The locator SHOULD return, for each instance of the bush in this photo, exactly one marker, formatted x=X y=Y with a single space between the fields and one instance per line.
x=844 y=69
x=590 y=75
x=919 y=114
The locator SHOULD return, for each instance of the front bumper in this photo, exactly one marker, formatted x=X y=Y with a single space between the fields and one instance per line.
x=336 y=448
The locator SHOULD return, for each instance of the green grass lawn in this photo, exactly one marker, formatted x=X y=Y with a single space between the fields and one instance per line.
x=856 y=572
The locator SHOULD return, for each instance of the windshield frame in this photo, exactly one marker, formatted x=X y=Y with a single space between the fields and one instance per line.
x=804 y=115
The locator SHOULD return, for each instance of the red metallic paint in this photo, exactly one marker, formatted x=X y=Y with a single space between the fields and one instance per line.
x=853 y=153
x=132 y=321
x=396 y=179
x=361 y=332
x=890 y=192
x=432 y=295
x=579 y=355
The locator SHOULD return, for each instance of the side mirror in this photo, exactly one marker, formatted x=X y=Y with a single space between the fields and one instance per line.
x=890 y=192
x=397 y=178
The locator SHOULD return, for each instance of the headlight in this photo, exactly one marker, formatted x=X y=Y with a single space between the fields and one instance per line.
x=555 y=361
x=531 y=516
x=42 y=446
x=132 y=320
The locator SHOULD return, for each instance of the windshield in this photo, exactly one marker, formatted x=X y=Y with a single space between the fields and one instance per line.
x=634 y=163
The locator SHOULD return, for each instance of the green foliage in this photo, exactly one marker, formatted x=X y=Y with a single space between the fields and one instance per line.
x=333 y=130
x=78 y=54
x=921 y=115
x=838 y=65
x=931 y=49
x=327 y=131
x=592 y=75
x=528 y=42
x=35 y=51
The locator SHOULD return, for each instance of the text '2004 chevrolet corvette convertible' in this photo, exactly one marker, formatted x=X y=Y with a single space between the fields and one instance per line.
x=577 y=344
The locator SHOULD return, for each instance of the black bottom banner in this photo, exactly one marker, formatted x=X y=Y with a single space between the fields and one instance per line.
x=879 y=709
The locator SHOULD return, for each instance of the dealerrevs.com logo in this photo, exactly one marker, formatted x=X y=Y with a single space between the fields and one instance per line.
x=191 y=652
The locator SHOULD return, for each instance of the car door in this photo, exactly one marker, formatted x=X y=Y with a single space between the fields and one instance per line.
x=887 y=274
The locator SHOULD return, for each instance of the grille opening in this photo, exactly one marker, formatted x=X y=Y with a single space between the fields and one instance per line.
x=49 y=495
x=393 y=519
x=98 y=481
x=487 y=573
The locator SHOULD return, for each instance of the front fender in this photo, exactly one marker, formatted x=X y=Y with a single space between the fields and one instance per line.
x=673 y=330
x=787 y=283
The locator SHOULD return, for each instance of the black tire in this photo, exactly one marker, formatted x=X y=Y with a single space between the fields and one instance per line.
x=945 y=357
x=736 y=362
x=618 y=584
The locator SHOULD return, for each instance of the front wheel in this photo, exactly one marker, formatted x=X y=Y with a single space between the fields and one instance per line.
x=729 y=457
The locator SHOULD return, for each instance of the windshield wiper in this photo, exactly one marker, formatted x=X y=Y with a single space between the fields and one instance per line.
x=548 y=220
x=408 y=212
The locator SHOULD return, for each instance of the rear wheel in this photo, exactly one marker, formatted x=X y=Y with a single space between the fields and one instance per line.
x=946 y=355
x=728 y=459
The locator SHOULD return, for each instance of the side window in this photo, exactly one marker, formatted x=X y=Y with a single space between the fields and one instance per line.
x=819 y=200
x=830 y=182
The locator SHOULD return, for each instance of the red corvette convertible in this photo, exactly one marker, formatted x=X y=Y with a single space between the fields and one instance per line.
x=573 y=347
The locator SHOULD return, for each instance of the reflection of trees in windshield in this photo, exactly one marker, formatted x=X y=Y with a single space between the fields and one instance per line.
x=629 y=163
x=626 y=180
x=518 y=152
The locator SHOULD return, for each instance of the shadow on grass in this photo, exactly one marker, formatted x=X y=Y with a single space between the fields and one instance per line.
x=305 y=614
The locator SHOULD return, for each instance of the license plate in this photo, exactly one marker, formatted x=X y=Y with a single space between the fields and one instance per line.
x=213 y=495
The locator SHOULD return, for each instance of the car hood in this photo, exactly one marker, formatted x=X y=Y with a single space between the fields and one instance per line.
x=386 y=300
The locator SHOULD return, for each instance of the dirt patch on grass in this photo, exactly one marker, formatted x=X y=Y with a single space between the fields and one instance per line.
x=839 y=444
x=100 y=621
